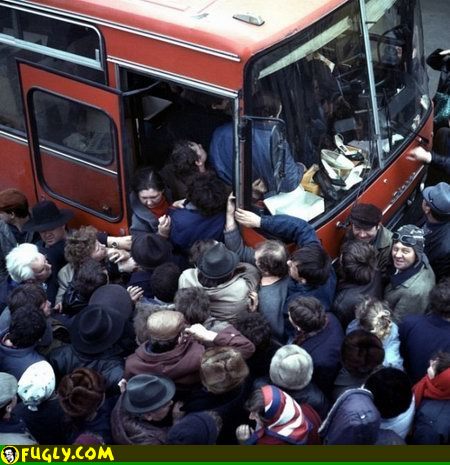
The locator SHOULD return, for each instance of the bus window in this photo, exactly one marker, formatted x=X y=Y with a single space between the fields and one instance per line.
x=64 y=46
x=319 y=85
x=65 y=125
x=77 y=143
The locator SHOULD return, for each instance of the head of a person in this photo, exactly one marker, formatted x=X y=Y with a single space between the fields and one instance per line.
x=28 y=293
x=148 y=396
x=142 y=311
x=26 y=264
x=291 y=367
x=271 y=258
x=208 y=194
x=13 y=204
x=150 y=250
x=361 y=352
x=358 y=262
x=36 y=385
x=255 y=327
x=8 y=395
x=438 y=363
x=115 y=298
x=365 y=221
x=96 y=328
x=266 y=104
x=216 y=265
x=193 y=303
x=27 y=326
x=49 y=221
x=407 y=246
x=188 y=158
x=10 y=454
x=197 y=428
x=436 y=201
x=222 y=369
x=310 y=265
x=82 y=244
x=374 y=316
x=90 y=276
x=198 y=248
x=164 y=328
x=148 y=186
x=81 y=393
x=164 y=281
x=307 y=314
x=392 y=391
x=439 y=299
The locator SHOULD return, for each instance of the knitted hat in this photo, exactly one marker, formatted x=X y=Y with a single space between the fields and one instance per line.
x=222 y=369
x=291 y=367
x=411 y=236
x=438 y=198
x=194 y=429
x=165 y=325
x=36 y=384
x=365 y=215
x=8 y=388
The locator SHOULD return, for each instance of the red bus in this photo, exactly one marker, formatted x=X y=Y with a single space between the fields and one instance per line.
x=90 y=90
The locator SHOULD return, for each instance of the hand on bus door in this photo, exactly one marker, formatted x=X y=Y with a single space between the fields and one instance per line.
x=230 y=222
x=419 y=154
x=247 y=218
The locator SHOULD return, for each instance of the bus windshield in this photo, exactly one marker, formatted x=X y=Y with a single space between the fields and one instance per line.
x=331 y=92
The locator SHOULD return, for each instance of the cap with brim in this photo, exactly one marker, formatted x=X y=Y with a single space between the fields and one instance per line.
x=46 y=216
x=147 y=393
x=96 y=328
x=438 y=198
x=217 y=262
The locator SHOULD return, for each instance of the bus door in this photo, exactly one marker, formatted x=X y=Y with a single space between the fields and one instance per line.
x=74 y=129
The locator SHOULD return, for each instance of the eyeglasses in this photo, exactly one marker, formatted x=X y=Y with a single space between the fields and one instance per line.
x=407 y=239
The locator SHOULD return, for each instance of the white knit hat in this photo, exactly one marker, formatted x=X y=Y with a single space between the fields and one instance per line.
x=36 y=384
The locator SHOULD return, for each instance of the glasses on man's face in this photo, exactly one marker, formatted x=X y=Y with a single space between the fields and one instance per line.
x=406 y=239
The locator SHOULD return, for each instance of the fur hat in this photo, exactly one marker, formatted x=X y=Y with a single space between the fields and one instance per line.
x=291 y=367
x=194 y=429
x=36 y=384
x=217 y=262
x=365 y=215
x=411 y=236
x=165 y=325
x=11 y=199
x=46 y=216
x=150 y=250
x=8 y=388
x=222 y=369
x=438 y=198
x=147 y=393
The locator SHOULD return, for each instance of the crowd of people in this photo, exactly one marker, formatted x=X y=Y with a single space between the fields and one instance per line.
x=182 y=334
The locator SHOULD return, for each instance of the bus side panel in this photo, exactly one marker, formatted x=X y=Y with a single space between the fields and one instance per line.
x=16 y=168
x=173 y=59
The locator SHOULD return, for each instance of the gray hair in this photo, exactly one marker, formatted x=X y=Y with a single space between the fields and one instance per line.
x=19 y=260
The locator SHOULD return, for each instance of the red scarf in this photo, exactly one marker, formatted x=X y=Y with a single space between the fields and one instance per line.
x=437 y=388
x=160 y=209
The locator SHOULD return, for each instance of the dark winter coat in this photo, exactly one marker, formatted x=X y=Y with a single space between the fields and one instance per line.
x=432 y=422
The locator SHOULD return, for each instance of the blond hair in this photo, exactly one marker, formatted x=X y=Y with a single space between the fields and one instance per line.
x=374 y=316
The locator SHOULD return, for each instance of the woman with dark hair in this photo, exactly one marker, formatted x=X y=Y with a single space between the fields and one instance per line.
x=432 y=395
x=321 y=335
x=358 y=277
x=81 y=395
x=149 y=201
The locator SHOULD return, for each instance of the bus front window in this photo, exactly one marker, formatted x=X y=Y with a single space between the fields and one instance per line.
x=319 y=83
